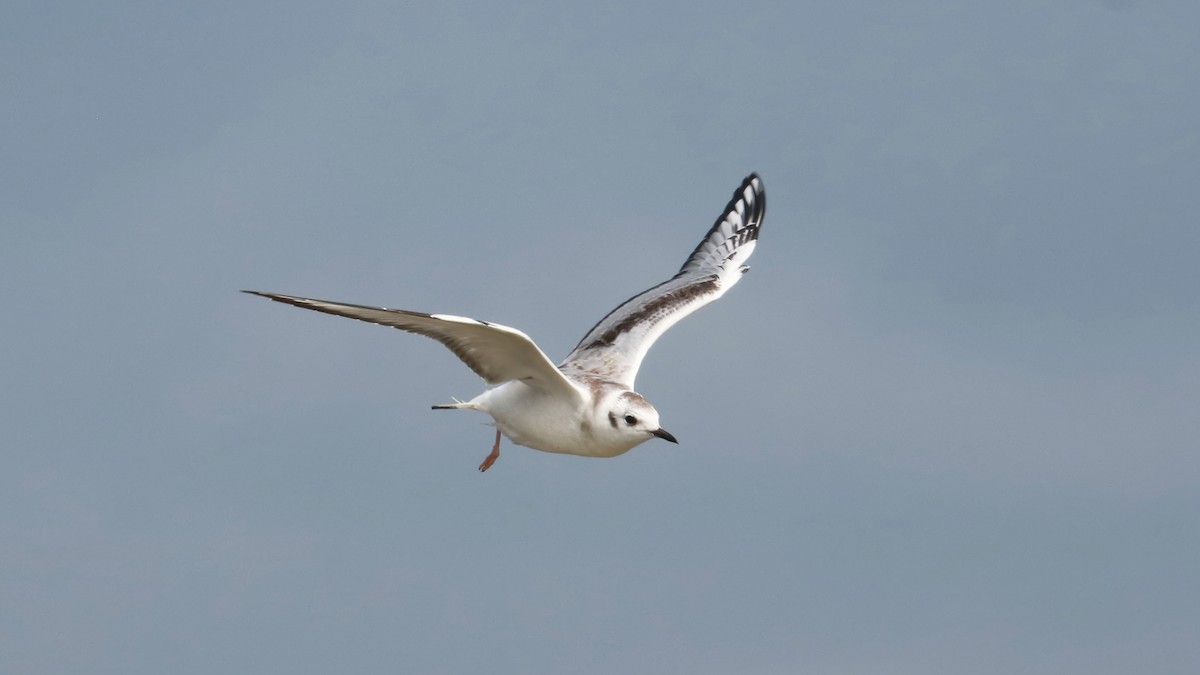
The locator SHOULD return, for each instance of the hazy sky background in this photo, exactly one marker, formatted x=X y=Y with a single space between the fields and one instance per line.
x=948 y=423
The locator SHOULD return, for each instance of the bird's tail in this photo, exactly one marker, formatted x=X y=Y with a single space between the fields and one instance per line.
x=457 y=405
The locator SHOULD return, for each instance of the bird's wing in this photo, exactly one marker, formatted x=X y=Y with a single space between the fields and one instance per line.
x=614 y=347
x=496 y=353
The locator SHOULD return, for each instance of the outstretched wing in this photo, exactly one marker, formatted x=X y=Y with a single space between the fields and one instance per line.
x=614 y=347
x=496 y=353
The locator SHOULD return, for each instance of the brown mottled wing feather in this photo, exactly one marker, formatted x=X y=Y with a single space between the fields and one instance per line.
x=614 y=347
x=496 y=353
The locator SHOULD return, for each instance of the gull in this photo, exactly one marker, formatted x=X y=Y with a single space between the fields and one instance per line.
x=586 y=405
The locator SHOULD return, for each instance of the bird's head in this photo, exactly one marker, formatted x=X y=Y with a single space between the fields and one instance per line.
x=632 y=419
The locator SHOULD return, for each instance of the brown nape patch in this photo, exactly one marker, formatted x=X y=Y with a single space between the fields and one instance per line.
x=635 y=397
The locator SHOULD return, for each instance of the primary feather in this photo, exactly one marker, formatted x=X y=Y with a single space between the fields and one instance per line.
x=616 y=345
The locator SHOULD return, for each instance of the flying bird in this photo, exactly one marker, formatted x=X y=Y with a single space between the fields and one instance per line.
x=586 y=405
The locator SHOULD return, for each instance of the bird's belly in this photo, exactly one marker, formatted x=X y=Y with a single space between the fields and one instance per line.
x=561 y=443
x=531 y=419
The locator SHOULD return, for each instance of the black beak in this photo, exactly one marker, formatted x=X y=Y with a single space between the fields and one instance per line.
x=665 y=435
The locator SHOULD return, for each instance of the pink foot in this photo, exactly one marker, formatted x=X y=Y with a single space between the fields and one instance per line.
x=491 y=459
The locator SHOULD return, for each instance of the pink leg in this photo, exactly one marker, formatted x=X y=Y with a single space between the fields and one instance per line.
x=491 y=459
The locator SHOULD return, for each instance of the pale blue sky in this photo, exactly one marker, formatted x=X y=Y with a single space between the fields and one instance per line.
x=948 y=423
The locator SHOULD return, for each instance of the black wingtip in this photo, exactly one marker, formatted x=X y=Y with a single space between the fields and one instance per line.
x=752 y=196
x=277 y=297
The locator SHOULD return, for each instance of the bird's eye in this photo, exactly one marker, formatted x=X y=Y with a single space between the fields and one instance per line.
x=630 y=420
